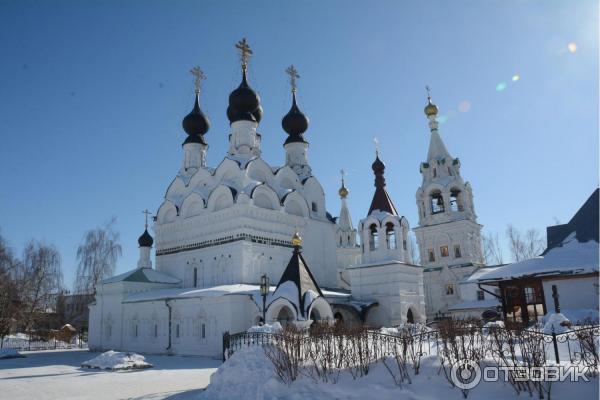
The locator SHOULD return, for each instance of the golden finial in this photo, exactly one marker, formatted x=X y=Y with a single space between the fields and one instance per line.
x=343 y=191
x=198 y=77
x=296 y=239
x=245 y=52
x=293 y=73
x=431 y=109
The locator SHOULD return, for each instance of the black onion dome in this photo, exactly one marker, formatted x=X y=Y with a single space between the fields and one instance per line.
x=378 y=166
x=244 y=103
x=295 y=123
x=145 y=240
x=196 y=123
x=194 y=139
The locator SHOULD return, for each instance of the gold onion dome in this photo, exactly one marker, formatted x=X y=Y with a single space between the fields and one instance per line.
x=296 y=239
x=430 y=109
x=343 y=191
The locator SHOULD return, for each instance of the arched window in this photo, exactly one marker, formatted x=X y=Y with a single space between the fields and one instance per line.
x=195 y=282
x=437 y=202
x=390 y=236
x=285 y=316
x=409 y=317
x=455 y=200
x=314 y=315
x=434 y=172
x=373 y=237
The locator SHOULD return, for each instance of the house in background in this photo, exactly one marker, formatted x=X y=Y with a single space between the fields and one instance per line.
x=563 y=278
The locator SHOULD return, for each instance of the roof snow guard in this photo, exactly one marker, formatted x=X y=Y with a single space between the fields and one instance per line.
x=297 y=276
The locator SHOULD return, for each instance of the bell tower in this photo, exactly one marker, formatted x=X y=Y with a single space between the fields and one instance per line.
x=448 y=233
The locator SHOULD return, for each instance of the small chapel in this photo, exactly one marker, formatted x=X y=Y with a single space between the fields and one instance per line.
x=243 y=242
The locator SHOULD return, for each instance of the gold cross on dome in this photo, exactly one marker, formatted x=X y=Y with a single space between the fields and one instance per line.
x=198 y=77
x=428 y=91
x=342 y=173
x=146 y=212
x=293 y=73
x=245 y=52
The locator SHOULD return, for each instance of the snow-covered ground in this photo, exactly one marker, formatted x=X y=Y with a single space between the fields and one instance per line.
x=249 y=374
x=57 y=374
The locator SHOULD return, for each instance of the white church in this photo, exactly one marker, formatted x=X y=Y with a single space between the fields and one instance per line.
x=222 y=231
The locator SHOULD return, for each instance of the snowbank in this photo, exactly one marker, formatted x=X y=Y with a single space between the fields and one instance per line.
x=413 y=329
x=557 y=323
x=114 y=360
x=10 y=353
x=578 y=316
x=249 y=374
x=491 y=325
x=275 y=327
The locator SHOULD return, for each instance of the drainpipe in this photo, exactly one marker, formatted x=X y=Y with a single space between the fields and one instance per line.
x=169 y=307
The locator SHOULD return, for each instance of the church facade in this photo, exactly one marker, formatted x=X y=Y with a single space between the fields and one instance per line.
x=221 y=231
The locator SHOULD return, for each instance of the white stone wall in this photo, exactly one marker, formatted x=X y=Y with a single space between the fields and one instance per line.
x=395 y=286
x=574 y=293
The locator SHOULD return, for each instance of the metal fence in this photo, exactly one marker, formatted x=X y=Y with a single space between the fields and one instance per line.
x=577 y=346
x=11 y=342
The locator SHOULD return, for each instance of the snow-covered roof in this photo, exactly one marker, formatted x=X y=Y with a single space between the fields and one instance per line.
x=466 y=305
x=143 y=275
x=570 y=258
x=478 y=273
x=187 y=293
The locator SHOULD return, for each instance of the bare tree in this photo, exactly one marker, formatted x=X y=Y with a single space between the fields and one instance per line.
x=97 y=257
x=413 y=250
x=9 y=291
x=41 y=280
x=524 y=246
x=492 y=249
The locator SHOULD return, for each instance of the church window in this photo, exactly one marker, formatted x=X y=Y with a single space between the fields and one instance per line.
x=340 y=241
x=195 y=277
x=434 y=172
x=450 y=289
x=444 y=251
x=480 y=295
x=437 y=202
x=314 y=206
x=203 y=331
x=390 y=236
x=457 y=253
x=449 y=171
x=373 y=237
x=431 y=255
x=404 y=245
x=455 y=203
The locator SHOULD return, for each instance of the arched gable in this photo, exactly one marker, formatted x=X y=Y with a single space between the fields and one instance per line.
x=259 y=170
x=167 y=212
x=221 y=197
x=265 y=197
x=286 y=178
x=295 y=204
x=192 y=205
x=176 y=191
x=202 y=178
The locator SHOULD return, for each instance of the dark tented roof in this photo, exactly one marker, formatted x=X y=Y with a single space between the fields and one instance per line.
x=297 y=271
x=584 y=223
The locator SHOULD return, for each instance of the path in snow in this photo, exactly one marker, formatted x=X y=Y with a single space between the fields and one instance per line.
x=56 y=374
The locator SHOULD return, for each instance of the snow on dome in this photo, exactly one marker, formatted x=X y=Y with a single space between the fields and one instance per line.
x=115 y=360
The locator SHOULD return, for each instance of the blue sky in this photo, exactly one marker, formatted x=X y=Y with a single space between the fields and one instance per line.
x=92 y=97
